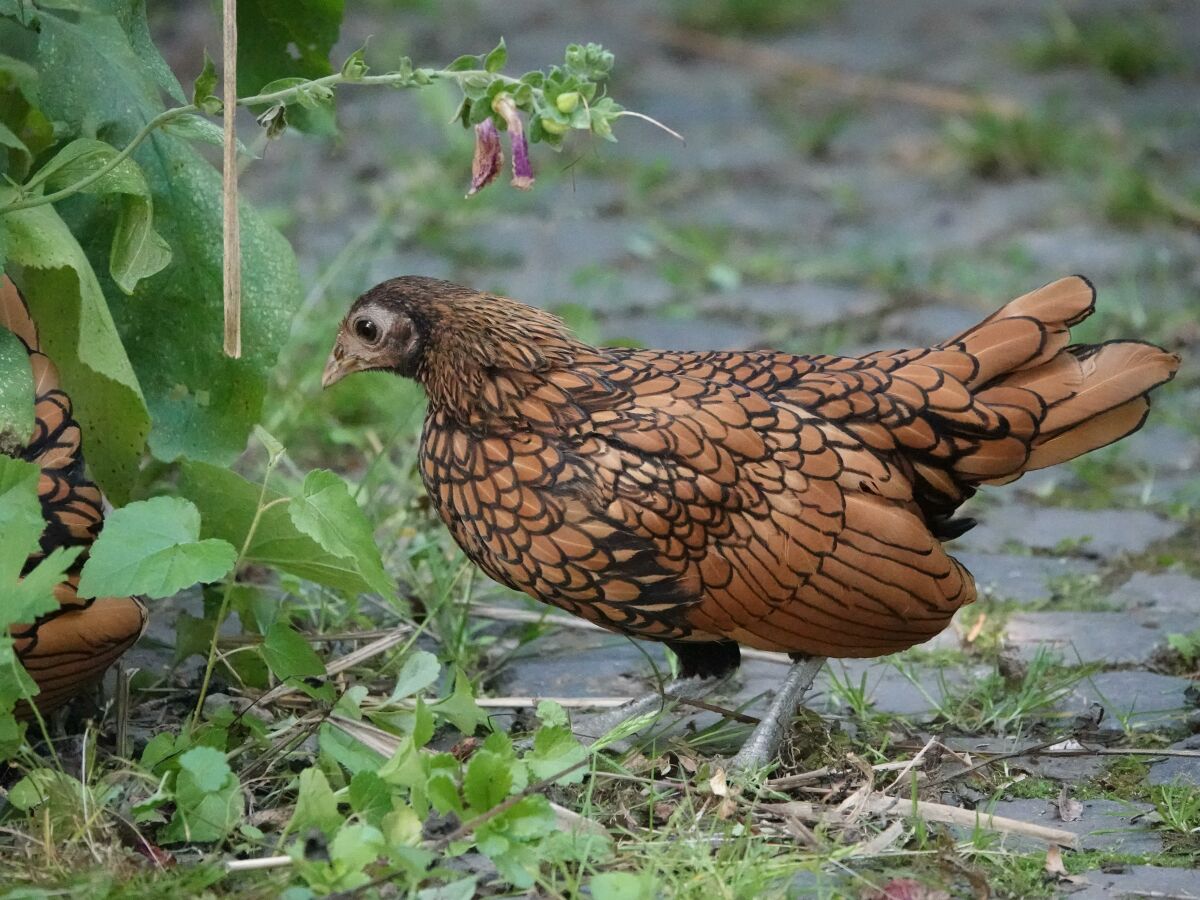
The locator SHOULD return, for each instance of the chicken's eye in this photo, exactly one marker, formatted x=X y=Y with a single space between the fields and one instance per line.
x=367 y=330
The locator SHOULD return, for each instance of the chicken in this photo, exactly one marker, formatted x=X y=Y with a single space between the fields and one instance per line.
x=71 y=646
x=717 y=499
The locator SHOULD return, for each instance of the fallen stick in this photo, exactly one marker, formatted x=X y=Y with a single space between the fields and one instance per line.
x=878 y=804
x=854 y=84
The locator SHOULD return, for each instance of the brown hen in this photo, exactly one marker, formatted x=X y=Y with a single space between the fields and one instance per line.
x=69 y=647
x=707 y=500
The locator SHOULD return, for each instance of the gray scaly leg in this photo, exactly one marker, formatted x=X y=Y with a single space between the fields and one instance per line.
x=764 y=742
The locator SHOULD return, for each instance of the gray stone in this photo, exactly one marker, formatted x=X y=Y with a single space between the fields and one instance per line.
x=577 y=664
x=1163 y=448
x=809 y=305
x=1101 y=533
x=1134 y=699
x=925 y=324
x=1025 y=579
x=1178 y=769
x=1104 y=825
x=1113 y=638
x=1168 y=592
x=1141 y=881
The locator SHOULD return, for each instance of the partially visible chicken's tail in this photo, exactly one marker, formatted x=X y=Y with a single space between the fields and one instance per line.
x=72 y=645
x=1060 y=400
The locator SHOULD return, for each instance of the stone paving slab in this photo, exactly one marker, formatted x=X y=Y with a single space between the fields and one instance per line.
x=1179 y=769
x=1141 y=882
x=1111 y=638
x=1022 y=579
x=1101 y=533
x=1106 y=825
x=1168 y=592
x=1145 y=699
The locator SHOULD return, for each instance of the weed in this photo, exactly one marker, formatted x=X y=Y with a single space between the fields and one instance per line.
x=1178 y=806
x=1132 y=48
x=1001 y=146
x=751 y=16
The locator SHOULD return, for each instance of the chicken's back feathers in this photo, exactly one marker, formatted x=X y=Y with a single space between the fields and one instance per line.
x=785 y=502
x=74 y=644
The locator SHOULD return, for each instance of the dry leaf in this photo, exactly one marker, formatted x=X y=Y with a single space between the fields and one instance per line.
x=718 y=785
x=1069 y=809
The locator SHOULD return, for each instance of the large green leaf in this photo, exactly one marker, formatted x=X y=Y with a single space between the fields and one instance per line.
x=227 y=503
x=78 y=333
x=16 y=393
x=153 y=547
x=98 y=71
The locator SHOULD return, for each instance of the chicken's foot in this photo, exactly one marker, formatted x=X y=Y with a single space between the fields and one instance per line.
x=762 y=747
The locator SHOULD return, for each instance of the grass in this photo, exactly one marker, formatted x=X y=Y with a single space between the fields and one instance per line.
x=1132 y=47
x=751 y=16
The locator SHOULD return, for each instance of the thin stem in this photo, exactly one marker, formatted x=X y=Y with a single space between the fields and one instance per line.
x=82 y=184
x=229 y=584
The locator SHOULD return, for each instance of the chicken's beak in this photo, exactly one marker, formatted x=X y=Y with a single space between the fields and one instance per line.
x=338 y=366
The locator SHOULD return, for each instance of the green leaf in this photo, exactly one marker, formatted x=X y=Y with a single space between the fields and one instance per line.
x=555 y=749
x=227 y=504
x=286 y=38
x=15 y=144
x=21 y=523
x=370 y=796
x=419 y=671
x=327 y=513
x=138 y=251
x=495 y=60
x=98 y=71
x=464 y=63
x=316 y=806
x=203 y=89
x=153 y=547
x=77 y=331
x=208 y=798
x=511 y=838
x=355 y=67
x=620 y=886
x=489 y=779
x=289 y=655
x=198 y=128
x=460 y=707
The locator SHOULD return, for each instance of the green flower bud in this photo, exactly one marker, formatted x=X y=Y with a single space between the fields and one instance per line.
x=553 y=126
x=566 y=102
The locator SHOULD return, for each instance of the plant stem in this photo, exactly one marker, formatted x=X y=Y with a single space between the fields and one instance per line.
x=82 y=184
x=229 y=584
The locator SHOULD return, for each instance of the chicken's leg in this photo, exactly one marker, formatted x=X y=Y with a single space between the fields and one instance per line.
x=762 y=746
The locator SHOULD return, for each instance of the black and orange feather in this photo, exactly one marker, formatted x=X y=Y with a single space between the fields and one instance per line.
x=792 y=503
x=70 y=646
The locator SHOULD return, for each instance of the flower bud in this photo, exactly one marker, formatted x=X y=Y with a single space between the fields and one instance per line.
x=504 y=107
x=489 y=158
x=566 y=102
x=553 y=126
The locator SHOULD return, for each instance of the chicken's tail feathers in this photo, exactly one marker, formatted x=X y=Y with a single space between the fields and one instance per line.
x=1059 y=400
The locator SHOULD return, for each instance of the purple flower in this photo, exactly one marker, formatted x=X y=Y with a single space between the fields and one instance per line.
x=504 y=107
x=489 y=158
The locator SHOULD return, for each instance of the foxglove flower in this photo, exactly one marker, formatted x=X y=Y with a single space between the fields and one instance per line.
x=504 y=107
x=489 y=158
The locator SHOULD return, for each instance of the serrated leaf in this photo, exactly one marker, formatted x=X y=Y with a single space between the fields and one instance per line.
x=21 y=521
x=488 y=780
x=153 y=547
x=495 y=60
x=355 y=66
x=227 y=504
x=316 y=806
x=289 y=655
x=460 y=707
x=327 y=513
x=208 y=798
x=619 y=886
x=555 y=749
x=420 y=670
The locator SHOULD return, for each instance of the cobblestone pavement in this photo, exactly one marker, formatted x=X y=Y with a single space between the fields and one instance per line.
x=803 y=216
